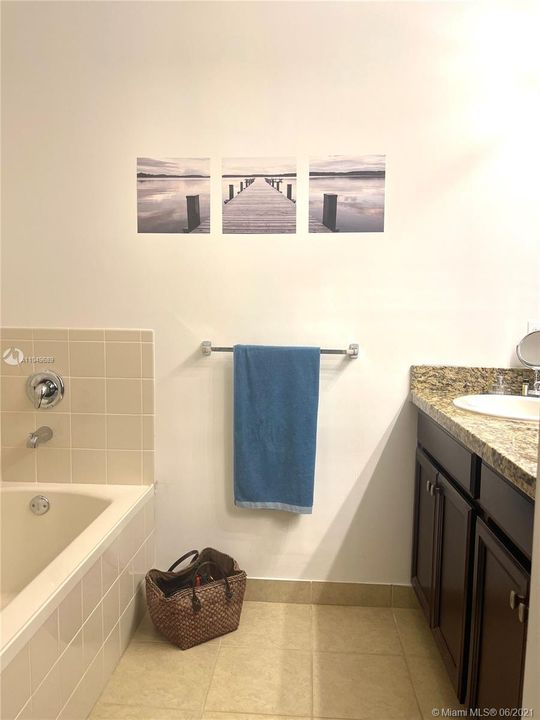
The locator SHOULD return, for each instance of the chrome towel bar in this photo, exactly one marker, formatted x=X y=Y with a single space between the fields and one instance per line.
x=352 y=351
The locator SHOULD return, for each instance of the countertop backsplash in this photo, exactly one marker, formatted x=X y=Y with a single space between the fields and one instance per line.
x=466 y=380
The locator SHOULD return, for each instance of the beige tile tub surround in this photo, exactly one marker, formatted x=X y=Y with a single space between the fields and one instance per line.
x=61 y=671
x=104 y=426
x=285 y=661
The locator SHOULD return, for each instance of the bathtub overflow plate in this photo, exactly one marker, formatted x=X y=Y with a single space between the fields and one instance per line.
x=39 y=505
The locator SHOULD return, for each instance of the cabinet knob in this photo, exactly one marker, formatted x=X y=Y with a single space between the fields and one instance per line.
x=522 y=612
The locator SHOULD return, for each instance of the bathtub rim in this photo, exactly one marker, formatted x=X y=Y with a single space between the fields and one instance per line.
x=36 y=601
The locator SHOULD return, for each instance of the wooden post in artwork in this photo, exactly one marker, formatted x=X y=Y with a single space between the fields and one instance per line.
x=231 y=192
x=193 y=212
x=329 y=214
x=289 y=191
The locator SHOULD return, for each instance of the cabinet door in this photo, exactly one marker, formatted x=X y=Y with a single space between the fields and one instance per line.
x=499 y=625
x=453 y=565
x=424 y=533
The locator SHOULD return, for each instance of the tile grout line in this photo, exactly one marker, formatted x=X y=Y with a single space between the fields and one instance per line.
x=405 y=658
x=30 y=412
x=203 y=705
x=70 y=413
x=141 y=459
x=312 y=647
x=79 y=377
x=141 y=424
x=106 y=414
x=356 y=652
x=34 y=416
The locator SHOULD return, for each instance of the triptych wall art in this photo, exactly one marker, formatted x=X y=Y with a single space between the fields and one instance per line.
x=346 y=194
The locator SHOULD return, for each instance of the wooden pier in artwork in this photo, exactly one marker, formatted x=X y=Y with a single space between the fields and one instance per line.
x=261 y=207
x=202 y=227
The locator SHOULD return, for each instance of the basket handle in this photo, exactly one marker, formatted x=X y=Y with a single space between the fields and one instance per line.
x=184 y=557
x=195 y=602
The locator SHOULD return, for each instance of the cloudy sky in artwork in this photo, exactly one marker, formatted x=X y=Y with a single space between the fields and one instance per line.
x=258 y=166
x=346 y=163
x=174 y=166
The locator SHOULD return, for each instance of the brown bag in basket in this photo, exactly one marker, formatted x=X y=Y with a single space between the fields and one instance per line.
x=189 y=615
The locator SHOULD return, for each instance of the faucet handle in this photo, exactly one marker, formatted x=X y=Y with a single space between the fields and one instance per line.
x=45 y=389
x=40 y=392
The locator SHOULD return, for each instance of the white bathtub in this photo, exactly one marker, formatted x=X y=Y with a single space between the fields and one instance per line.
x=63 y=569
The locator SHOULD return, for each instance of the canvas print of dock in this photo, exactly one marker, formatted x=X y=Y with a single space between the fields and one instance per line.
x=346 y=193
x=173 y=195
x=259 y=195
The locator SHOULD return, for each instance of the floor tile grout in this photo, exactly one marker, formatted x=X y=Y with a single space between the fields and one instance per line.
x=409 y=674
x=312 y=648
x=211 y=678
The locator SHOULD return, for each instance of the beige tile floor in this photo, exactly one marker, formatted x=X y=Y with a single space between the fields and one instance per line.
x=286 y=661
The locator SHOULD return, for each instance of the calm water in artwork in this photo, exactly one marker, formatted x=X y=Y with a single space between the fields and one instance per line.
x=360 y=202
x=161 y=203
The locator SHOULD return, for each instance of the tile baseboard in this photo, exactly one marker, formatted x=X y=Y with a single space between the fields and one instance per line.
x=403 y=596
x=282 y=591
x=330 y=593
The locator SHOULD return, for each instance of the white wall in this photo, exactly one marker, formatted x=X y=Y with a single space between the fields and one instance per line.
x=446 y=90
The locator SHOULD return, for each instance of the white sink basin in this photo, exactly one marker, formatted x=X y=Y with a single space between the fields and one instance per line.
x=513 y=407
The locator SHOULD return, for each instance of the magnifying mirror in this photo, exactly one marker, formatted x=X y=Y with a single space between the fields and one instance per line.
x=528 y=352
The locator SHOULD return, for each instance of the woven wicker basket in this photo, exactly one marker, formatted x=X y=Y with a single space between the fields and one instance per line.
x=194 y=615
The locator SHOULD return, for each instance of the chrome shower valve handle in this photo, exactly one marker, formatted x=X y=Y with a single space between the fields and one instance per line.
x=45 y=389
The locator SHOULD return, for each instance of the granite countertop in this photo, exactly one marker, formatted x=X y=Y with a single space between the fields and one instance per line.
x=508 y=446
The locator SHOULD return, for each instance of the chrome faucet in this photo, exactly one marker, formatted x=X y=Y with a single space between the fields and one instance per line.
x=41 y=435
x=45 y=389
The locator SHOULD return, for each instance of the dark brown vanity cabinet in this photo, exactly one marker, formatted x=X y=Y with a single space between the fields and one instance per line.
x=499 y=624
x=470 y=567
x=424 y=549
x=441 y=568
x=450 y=624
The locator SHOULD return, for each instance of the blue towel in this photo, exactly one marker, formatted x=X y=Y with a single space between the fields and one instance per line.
x=276 y=395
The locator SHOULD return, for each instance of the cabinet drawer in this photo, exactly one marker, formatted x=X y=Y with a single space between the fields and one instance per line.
x=508 y=508
x=456 y=460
